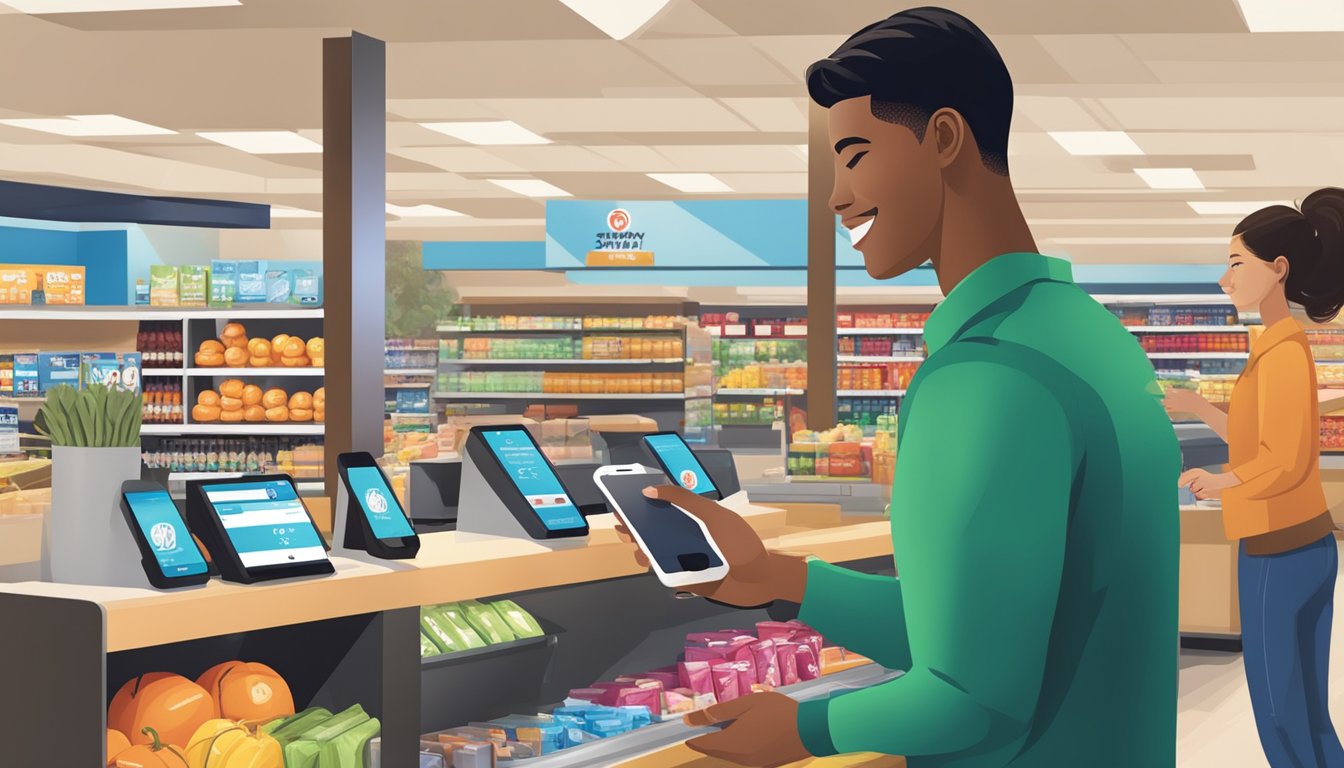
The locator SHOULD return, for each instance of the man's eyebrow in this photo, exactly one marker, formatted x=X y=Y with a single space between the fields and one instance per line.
x=843 y=144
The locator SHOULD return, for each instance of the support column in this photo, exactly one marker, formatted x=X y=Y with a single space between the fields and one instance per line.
x=821 y=411
x=354 y=182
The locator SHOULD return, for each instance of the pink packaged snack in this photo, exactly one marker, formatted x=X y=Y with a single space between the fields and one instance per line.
x=725 y=682
x=786 y=655
x=775 y=630
x=811 y=638
x=650 y=697
x=767 y=663
x=586 y=694
x=722 y=636
x=696 y=676
x=669 y=679
x=809 y=663
x=746 y=676
x=677 y=703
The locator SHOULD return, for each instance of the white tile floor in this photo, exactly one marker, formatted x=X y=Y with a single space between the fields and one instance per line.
x=1216 y=728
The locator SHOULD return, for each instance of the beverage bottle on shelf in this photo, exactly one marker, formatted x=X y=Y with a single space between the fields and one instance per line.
x=177 y=349
x=212 y=458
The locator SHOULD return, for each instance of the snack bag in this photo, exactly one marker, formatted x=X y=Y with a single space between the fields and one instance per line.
x=767 y=663
x=696 y=676
x=725 y=682
x=787 y=658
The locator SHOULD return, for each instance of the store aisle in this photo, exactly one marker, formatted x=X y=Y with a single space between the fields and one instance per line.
x=1217 y=728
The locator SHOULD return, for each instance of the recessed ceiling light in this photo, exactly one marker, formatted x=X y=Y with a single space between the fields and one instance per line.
x=1170 y=178
x=104 y=6
x=1293 y=15
x=265 y=142
x=90 y=125
x=530 y=187
x=488 y=132
x=1229 y=208
x=1096 y=142
x=691 y=182
x=293 y=213
x=618 y=19
x=420 y=211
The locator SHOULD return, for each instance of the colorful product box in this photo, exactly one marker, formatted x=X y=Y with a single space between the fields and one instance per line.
x=17 y=284
x=6 y=375
x=61 y=285
x=9 y=429
x=278 y=287
x=118 y=371
x=55 y=368
x=307 y=288
x=223 y=283
x=164 y=286
x=413 y=401
x=25 y=376
x=193 y=285
x=251 y=282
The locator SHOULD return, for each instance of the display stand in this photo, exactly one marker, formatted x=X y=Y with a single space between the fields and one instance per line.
x=480 y=511
x=85 y=538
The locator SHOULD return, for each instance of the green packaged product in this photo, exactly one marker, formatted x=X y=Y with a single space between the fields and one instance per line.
x=193 y=285
x=446 y=633
x=427 y=646
x=305 y=751
x=163 y=286
x=285 y=729
x=487 y=622
x=517 y=619
x=223 y=283
x=346 y=749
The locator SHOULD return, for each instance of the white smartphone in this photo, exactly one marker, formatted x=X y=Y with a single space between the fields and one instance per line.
x=677 y=543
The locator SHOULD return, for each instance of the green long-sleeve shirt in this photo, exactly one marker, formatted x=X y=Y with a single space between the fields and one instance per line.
x=1035 y=528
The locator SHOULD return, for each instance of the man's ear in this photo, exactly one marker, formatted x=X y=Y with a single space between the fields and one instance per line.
x=948 y=130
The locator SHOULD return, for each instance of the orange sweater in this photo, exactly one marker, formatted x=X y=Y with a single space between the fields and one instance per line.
x=1274 y=437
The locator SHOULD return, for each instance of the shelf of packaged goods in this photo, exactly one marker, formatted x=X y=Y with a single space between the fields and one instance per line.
x=1187 y=328
x=151 y=314
x=448 y=329
x=543 y=362
x=559 y=396
x=879 y=331
x=870 y=393
x=429 y=662
x=253 y=429
x=410 y=371
x=1166 y=299
x=410 y=385
x=450 y=567
x=162 y=371
x=874 y=359
x=1198 y=355
x=761 y=392
x=243 y=373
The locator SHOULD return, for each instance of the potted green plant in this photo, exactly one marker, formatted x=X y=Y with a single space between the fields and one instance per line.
x=95 y=447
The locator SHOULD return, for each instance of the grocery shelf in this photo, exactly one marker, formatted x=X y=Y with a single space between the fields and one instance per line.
x=563 y=331
x=879 y=331
x=162 y=371
x=558 y=396
x=239 y=373
x=870 y=393
x=760 y=392
x=877 y=359
x=1187 y=328
x=151 y=314
x=256 y=429
x=1164 y=298
x=410 y=385
x=410 y=371
x=430 y=662
x=1199 y=355
x=562 y=361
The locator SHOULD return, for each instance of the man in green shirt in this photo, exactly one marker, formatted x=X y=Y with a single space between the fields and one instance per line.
x=1034 y=510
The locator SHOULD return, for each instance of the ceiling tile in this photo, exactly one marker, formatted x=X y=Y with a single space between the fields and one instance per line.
x=772 y=115
x=794 y=184
x=1214 y=113
x=459 y=159
x=685 y=20
x=1096 y=58
x=716 y=61
x=723 y=159
x=551 y=115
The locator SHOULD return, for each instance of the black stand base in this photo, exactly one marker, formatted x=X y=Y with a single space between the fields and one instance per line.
x=1219 y=644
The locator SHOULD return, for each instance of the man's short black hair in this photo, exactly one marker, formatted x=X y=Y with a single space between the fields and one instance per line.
x=917 y=62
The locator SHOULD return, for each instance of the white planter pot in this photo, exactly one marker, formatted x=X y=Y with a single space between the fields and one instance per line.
x=86 y=540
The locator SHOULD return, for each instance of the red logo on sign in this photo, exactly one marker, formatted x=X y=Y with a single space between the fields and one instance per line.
x=618 y=220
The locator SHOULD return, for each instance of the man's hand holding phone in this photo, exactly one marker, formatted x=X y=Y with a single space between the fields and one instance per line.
x=755 y=575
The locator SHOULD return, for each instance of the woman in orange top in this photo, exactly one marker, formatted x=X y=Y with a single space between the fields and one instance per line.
x=1272 y=497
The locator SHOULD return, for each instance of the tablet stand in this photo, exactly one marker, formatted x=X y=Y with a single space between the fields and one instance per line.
x=346 y=534
x=481 y=511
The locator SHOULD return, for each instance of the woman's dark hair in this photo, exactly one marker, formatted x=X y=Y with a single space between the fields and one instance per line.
x=1311 y=238
x=916 y=63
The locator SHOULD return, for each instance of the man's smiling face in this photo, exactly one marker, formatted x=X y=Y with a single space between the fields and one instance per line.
x=888 y=188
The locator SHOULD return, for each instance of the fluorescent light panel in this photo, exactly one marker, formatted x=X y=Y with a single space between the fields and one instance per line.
x=1293 y=15
x=618 y=19
x=691 y=182
x=1092 y=143
x=499 y=133
x=1170 y=178
x=423 y=211
x=1230 y=208
x=530 y=187
x=265 y=142
x=104 y=6
x=90 y=125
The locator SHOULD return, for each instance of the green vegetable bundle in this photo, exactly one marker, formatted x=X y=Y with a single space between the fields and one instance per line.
x=93 y=418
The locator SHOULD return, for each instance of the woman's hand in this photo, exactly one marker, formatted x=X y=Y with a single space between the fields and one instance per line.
x=1206 y=485
x=1184 y=401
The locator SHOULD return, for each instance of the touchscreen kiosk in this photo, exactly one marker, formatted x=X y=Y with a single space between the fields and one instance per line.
x=373 y=518
x=509 y=488
x=168 y=553
x=679 y=462
x=256 y=528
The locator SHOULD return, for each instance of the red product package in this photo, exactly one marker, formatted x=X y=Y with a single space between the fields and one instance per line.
x=669 y=679
x=650 y=697
x=809 y=663
x=696 y=676
x=767 y=663
x=776 y=630
x=586 y=694
x=725 y=682
x=746 y=676
x=787 y=658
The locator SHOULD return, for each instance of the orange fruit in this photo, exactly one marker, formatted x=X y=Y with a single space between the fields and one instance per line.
x=231 y=404
x=232 y=388
x=209 y=398
x=209 y=359
x=211 y=345
x=300 y=414
x=231 y=417
x=278 y=413
x=254 y=413
x=294 y=347
x=235 y=357
x=205 y=413
x=275 y=398
x=251 y=395
x=301 y=400
x=259 y=348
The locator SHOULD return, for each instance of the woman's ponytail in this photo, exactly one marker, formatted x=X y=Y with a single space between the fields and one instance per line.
x=1312 y=240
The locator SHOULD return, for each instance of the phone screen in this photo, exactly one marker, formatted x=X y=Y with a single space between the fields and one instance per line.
x=379 y=503
x=162 y=526
x=532 y=475
x=674 y=538
x=680 y=463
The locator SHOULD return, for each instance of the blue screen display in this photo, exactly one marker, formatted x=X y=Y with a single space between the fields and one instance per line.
x=534 y=478
x=680 y=463
x=379 y=503
x=266 y=523
x=167 y=535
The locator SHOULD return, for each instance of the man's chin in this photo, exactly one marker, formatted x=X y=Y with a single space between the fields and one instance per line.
x=885 y=269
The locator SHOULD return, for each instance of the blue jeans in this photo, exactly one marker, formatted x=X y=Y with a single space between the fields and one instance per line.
x=1287 y=604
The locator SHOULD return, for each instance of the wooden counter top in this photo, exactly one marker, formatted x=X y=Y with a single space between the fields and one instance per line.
x=450 y=567
x=682 y=756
